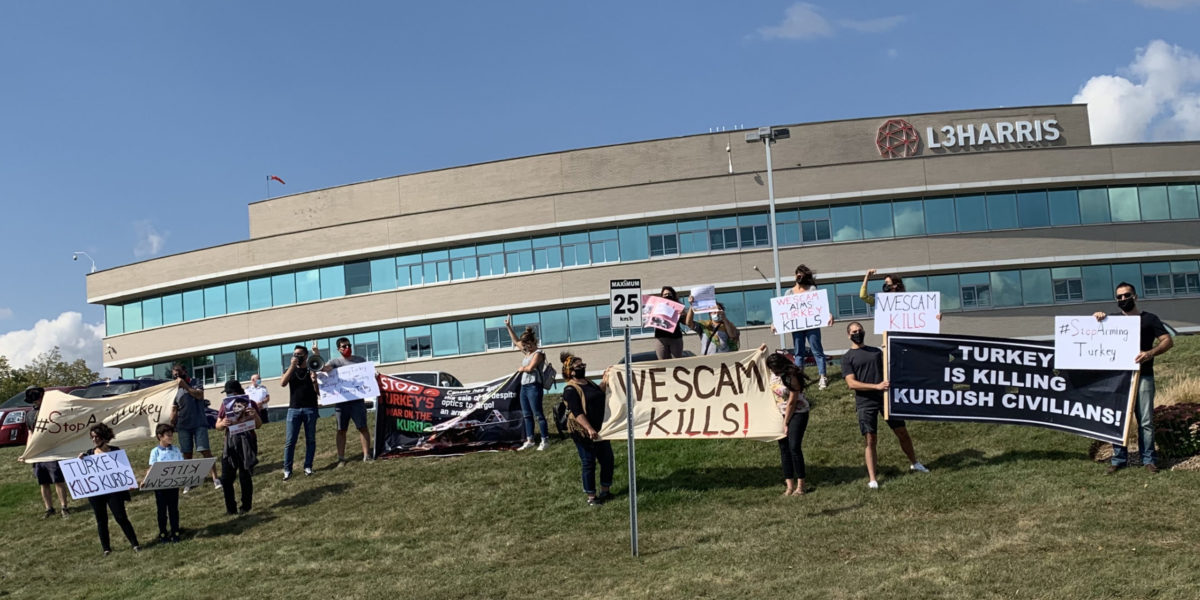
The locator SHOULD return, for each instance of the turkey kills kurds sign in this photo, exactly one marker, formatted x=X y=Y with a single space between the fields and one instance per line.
x=988 y=380
x=707 y=397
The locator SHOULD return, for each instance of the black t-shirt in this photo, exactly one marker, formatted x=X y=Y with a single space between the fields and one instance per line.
x=302 y=393
x=1152 y=329
x=593 y=399
x=675 y=334
x=866 y=364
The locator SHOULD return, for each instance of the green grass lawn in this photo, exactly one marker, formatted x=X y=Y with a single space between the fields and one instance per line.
x=1008 y=512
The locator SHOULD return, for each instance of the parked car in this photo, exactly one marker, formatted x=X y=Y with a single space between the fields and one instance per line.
x=432 y=378
x=14 y=414
x=116 y=387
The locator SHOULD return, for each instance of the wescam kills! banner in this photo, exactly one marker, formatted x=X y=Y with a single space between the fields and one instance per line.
x=416 y=419
x=987 y=380
x=707 y=397
x=63 y=423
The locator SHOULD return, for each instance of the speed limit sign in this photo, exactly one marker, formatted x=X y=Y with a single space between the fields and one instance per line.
x=625 y=302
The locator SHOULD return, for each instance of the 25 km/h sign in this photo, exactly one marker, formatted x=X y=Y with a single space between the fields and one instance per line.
x=625 y=302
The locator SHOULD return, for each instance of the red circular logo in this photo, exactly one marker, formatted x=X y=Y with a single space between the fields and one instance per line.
x=897 y=139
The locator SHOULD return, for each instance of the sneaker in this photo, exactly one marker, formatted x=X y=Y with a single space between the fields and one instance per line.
x=66 y=512
x=49 y=513
x=243 y=511
x=107 y=552
x=308 y=471
x=163 y=537
x=137 y=549
x=824 y=383
x=918 y=467
x=1151 y=468
x=368 y=458
x=604 y=496
x=593 y=501
x=1113 y=469
x=340 y=463
x=217 y=485
x=174 y=538
x=287 y=475
x=542 y=446
x=873 y=485
x=188 y=488
x=527 y=445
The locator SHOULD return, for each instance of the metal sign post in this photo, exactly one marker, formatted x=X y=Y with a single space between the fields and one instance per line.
x=625 y=304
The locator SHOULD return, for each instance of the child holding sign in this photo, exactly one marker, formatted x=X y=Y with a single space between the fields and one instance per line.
x=101 y=435
x=167 y=501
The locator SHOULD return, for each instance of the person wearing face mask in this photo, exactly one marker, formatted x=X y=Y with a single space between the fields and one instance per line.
x=302 y=411
x=585 y=402
x=863 y=368
x=351 y=410
x=668 y=344
x=717 y=334
x=1155 y=340
x=806 y=281
x=891 y=283
x=260 y=395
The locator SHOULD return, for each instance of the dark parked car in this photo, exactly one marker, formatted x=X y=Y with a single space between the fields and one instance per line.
x=432 y=378
x=116 y=387
x=14 y=414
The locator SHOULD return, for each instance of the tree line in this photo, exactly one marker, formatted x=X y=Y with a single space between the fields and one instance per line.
x=47 y=370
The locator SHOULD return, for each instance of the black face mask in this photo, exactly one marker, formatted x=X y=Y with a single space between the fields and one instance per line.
x=1127 y=304
x=858 y=336
x=887 y=287
x=579 y=372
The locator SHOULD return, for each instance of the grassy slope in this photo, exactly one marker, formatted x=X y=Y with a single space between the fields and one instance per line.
x=1007 y=512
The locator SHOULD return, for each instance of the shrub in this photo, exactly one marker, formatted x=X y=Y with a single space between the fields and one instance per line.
x=1177 y=430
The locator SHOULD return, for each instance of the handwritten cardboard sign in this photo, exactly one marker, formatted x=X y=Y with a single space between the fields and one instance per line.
x=797 y=312
x=97 y=474
x=908 y=312
x=167 y=474
x=660 y=313
x=351 y=382
x=704 y=298
x=1084 y=343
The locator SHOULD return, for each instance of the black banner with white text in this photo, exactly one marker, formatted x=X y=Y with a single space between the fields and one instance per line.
x=418 y=419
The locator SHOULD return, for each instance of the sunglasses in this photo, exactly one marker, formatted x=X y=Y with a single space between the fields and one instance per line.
x=1124 y=296
x=343 y=345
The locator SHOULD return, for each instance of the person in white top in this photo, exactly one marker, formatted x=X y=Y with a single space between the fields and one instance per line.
x=531 y=383
x=259 y=394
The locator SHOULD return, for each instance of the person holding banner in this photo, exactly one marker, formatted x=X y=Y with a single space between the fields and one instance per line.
x=532 y=391
x=891 y=283
x=717 y=334
x=238 y=419
x=188 y=418
x=351 y=410
x=668 y=344
x=1155 y=340
x=806 y=281
x=585 y=402
x=863 y=369
x=47 y=473
x=302 y=411
x=166 y=501
x=101 y=435
x=788 y=383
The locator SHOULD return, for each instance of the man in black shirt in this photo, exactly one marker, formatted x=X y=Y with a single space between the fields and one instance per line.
x=1154 y=341
x=863 y=367
x=302 y=411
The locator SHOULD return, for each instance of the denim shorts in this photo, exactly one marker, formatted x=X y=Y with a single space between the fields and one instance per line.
x=193 y=440
x=354 y=410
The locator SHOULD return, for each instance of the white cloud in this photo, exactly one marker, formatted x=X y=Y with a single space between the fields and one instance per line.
x=872 y=25
x=73 y=337
x=150 y=240
x=1169 y=4
x=1157 y=97
x=5 y=313
x=800 y=22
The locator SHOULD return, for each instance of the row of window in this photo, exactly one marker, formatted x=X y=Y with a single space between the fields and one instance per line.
x=841 y=223
x=963 y=291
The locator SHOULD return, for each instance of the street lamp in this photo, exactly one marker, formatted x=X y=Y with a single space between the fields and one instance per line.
x=768 y=135
x=76 y=255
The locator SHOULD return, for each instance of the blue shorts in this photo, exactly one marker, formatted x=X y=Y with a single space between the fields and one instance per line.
x=193 y=440
x=354 y=410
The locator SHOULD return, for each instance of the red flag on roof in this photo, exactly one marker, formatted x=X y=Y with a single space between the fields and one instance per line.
x=276 y=178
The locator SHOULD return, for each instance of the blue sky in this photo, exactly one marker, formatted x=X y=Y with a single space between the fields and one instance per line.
x=137 y=129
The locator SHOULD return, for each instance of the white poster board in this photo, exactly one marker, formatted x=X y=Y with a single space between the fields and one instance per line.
x=908 y=312
x=797 y=312
x=660 y=313
x=242 y=427
x=624 y=303
x=168 y=474
x=100 y=473
x=351 y=382
x=1084 y=343
x=704 y=298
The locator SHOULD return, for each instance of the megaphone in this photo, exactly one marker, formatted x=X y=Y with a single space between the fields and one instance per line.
x=315 y=362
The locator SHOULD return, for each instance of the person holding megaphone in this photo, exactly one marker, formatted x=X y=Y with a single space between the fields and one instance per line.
x=302 y=410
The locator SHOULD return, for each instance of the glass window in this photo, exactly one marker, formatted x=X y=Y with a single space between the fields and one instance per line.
x=1002 y=211
x=435 y=266
x=915 y=283
x=909 y=216
x=246 y=363
x=976 y=290
x=357 y=278
x=237 y=297
x=366 y=345
x=939 y=216
x=787 y=227
x=605 y=247
x=127 y=373
x=383 y=274
x=664 y=241
x=308 y=285
x=1097 y=282
x=971 y=212
x=948 y=286
x=114 y=319
x=283 y=289
x=753 y=230
x=1156 y=279
x=1068 y=284
x=1064 y=207
x=270 y=363
x=408 y=270
x=735 y=307
x=418 y=341
x=518 y=256
x=1124 y=273
x=555 y=327
x=1183 y=202
x=848 y=302
x=172 y=309
x=1123 y=204
x=815 y=225
x=151 y=312
x=391 y=345
x=193 y=305
x=604 y=323
x=546 y=253
x=575 y=249
x=1153 y=201
x=1036 y=286
x=877 y=220
x=722 y=233
x=259 y=291
x=470 y=336
x=1006 y=288
x=634 y=244
x=464 y=264
x=583 y=324
x=1033 y=209
x=214 y=301
x=693 y=236
x=758 y=307
x=1185 y=277
x=490 y=258
x=445 y=338
x=495 y=334
x=143 y=371
x=1093 y=206
x=846 y=223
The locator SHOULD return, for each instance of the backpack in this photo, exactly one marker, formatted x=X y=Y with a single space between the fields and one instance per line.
x=562 y=415
x=547 y=373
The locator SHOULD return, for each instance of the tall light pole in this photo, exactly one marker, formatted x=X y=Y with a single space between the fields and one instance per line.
x=76 y=255
x=768 y=135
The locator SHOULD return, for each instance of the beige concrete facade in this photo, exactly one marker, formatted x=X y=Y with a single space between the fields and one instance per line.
x=821 y=164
